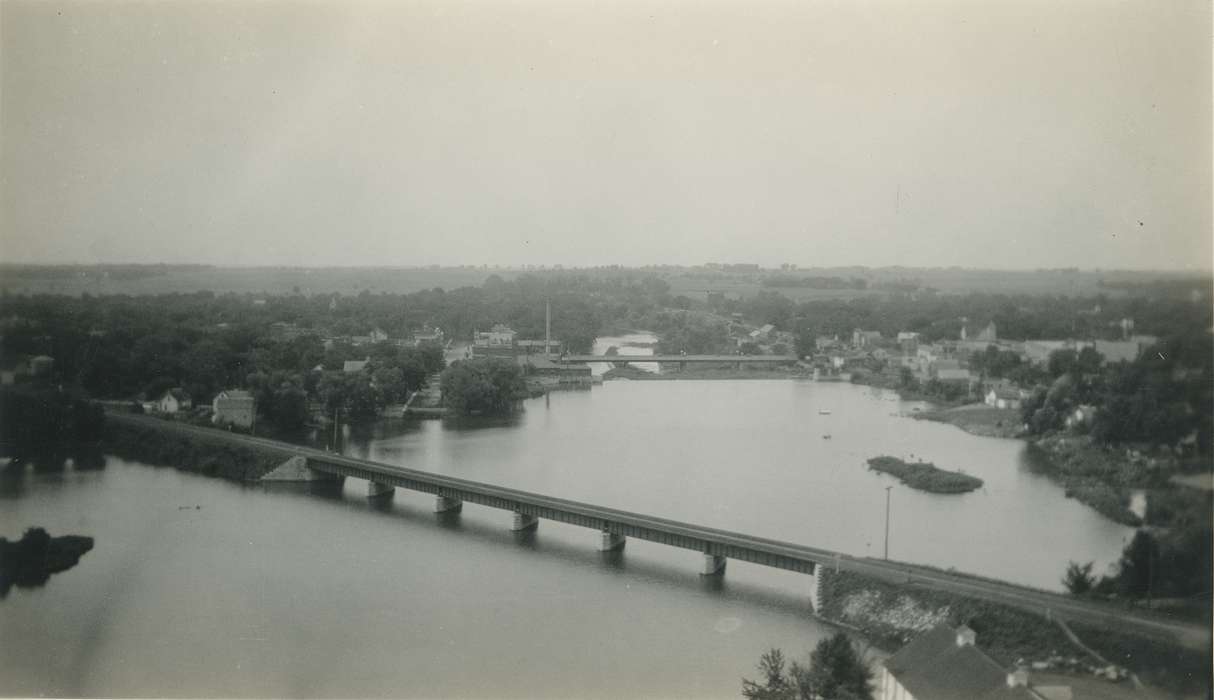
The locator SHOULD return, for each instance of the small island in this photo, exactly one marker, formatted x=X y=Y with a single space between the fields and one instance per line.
x=925 y=476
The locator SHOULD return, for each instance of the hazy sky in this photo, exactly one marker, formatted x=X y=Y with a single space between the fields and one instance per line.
x=995 y=134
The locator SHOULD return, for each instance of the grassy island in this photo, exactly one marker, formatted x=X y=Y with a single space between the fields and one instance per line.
x=926 y=476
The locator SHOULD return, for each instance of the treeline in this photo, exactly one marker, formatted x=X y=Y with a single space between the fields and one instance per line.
x=46 y=425
x=814 y=282
x=125 y=346
x=1164 y=397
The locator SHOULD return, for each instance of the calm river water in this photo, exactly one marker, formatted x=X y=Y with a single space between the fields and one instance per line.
x=201 y=587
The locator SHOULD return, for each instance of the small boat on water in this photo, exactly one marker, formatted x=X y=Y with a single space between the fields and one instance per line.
x=826 y=436
x=823 y=412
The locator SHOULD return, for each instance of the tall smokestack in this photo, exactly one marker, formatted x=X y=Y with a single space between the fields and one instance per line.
x=547 y=326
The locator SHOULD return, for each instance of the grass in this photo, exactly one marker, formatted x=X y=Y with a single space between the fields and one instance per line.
x=925 y=476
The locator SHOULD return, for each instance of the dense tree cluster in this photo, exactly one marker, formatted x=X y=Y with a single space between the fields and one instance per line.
x=485 y=386
x=45 y=424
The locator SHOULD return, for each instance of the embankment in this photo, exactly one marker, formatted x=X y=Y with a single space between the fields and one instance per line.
x=187 y=452
x=978 y=419
x=891 y=614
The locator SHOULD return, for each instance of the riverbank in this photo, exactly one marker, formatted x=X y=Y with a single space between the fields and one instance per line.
x=978 y=419
x=154 y=444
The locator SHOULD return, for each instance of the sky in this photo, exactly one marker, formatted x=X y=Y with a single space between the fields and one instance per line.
x=994 y=134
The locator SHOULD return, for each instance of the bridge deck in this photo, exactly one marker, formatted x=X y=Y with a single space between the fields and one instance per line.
x=768 y=359
x=759 y=550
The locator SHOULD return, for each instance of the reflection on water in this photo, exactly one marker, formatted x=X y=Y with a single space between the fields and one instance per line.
x=30 y=561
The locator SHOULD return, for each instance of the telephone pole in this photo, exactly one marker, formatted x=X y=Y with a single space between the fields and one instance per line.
x=887 y=490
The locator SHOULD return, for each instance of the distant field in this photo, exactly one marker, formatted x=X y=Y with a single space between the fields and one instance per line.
x=252 y=280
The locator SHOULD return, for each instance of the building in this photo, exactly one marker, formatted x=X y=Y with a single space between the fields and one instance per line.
x=1118 y=350
x=498 y=340
x=428 y=336
x=763 y=333
x=536 y=347
x=908 y=342
x=985 y=334
x=233 y=407
x=1004 y=396
x=174 y=400
x=354 y=366
x=378 y=335
x=862 y=339
x=955 y=376
x=944 y=664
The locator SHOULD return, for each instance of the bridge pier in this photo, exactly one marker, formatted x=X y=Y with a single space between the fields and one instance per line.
x=376 y=489
x=713 y=565
x=609 y=541
x=522 y=521
x=815 y=591
x=442 y=504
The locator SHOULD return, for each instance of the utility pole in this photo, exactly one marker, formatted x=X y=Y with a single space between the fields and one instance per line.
x=335 y=409
x=547 y=326
x=887 y=490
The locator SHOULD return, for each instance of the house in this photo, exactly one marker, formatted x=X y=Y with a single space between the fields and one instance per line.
x=987 y=333
x=1083 y=415
x=1118 y=350
x=861 y=338
x=825 y=342
x=378 y=335
x=429 y=335
x=762 y=333
x=1004 y=396
x=354 y=366
x=174 y=400
x=955 y=376
x=15 y=373
x=233 y=407
x=945 y=664
x=908 y=342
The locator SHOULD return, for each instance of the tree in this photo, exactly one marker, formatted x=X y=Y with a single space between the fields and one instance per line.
x=773 y=685
x=482 y=386
x=1079 y=579
x=837 y=669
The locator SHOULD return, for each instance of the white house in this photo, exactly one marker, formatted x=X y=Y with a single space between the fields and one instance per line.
x=233 y=407
x=174 y=400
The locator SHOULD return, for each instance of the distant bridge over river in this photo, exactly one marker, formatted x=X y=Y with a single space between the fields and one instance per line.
x=683 y=359
x=717 y=546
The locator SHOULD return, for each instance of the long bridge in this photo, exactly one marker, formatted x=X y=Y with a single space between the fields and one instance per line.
x=717 y=546
x=734 y=359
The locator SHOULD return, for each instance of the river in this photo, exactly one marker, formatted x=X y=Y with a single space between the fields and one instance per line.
x=199 y=587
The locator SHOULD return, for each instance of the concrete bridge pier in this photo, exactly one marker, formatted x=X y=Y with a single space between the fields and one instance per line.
x=442 y=504
x=815 y=591
x=522 y=521
x=376 y=489
x=610 y=541
x=713 y=565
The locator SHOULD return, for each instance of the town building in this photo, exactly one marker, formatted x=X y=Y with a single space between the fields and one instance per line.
x=354 y=366
x=174 y=400
x=428 y=336
x=233 y=407
x=987 y=334
x=862 y=338
x=498 y=341
x=945 y=664
x=1004 y=395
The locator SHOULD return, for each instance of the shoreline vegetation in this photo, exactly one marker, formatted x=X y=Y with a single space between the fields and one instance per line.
x=978 y=419
x=925 y=476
